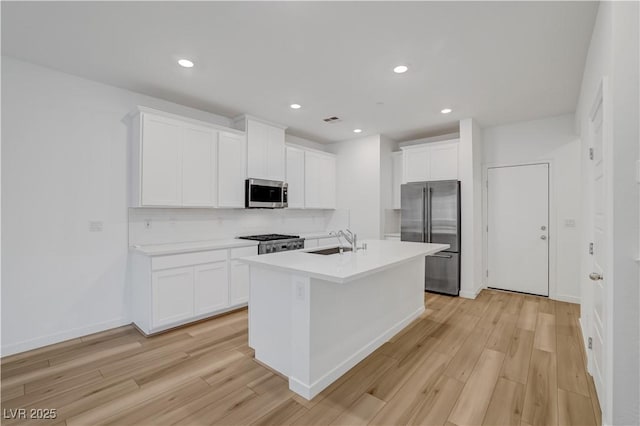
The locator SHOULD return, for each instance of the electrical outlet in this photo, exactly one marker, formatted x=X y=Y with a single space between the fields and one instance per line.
x=147 y=224
x=299 y=291
x=569 y=223
x=95 y=226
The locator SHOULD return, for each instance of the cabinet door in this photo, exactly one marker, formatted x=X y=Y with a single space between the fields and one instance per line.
x=275 y=153
x=295 y=177
x=231 y=169
x=199 y=166
x=239 y=285
x=211 y=287
x=161 y=161
x=397 y=179
x=257 y=145
x=312 y=177
x=172 y=296
x=416 y=164
x=444 y=162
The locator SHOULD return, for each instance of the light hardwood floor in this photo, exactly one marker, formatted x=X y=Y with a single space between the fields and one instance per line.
x=502 y=359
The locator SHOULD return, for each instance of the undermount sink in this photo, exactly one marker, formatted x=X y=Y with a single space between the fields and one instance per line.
x=330 y=250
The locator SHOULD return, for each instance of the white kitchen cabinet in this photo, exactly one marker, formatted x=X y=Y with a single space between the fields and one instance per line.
x=416 y=164
x=295 y=176
x=429 y=162
x=161 y=155
x=199 y=163
x=231 y=169
x=211 y=287
x=172 y=296
x=443 y=161
x=320 y=180
x=175 y=289
x=265 y=148
x=175 y=162
x=397 y=179
x=239 y=288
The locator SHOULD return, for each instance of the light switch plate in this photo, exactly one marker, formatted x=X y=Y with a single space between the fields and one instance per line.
x=95 y=226
x=569 y=223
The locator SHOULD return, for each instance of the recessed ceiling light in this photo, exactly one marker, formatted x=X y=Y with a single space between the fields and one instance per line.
x=446 y=110
x=295 y=106
x=400 y=69
x=357 y=130
x=185 y=63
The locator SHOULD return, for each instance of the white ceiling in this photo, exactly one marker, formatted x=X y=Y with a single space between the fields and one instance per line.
x=499 y=62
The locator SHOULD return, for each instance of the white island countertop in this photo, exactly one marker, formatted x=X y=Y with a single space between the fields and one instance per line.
x=342 y=268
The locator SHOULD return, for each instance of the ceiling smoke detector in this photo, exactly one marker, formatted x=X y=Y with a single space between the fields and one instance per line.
x=333 y=119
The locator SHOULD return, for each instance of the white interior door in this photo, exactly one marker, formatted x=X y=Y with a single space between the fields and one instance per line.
x=599 y=232
x=518 y=234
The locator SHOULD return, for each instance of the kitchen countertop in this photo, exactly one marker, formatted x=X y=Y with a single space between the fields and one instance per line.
x=175 y=248
x=316 y=235
x=380 y=255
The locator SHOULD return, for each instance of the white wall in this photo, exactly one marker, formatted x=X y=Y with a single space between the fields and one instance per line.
x=358 y=177
x=470 y=176
x=389 y=218
x=64 y=163
x=179 y=225
x=551 y=139
x=613 y=54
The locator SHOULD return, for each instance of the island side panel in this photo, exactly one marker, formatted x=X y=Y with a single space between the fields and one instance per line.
x=349 y=321
x=270 y=317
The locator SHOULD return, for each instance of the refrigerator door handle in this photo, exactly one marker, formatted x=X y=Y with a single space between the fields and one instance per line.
x=443 y=256
x=429 y=218
x=423 y=214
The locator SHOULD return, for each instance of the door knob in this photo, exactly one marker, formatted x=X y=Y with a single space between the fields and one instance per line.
x=543 y=237
x=594 y=276
x=544 y=228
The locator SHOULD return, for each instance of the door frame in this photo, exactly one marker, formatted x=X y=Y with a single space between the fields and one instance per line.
x=553 y=223
x=602 y=97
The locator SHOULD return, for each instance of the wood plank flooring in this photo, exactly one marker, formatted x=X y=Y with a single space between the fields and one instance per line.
x=501 y=359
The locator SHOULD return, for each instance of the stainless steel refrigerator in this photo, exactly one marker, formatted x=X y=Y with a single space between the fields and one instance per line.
x=431 y=214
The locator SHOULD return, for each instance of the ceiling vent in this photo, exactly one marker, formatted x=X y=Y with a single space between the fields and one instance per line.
x=332 y=119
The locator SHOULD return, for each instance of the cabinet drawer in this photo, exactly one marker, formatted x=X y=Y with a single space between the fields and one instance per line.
x=187 y=259
x=244 y=252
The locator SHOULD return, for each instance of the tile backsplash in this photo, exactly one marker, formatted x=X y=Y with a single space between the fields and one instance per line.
x=165 y=226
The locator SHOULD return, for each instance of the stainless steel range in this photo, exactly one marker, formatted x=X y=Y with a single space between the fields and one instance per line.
x=272 y=243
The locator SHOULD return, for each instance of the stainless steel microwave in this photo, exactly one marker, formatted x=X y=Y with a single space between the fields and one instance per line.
x=265 y=194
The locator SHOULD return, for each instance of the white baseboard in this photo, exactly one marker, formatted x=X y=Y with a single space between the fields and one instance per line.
x=471 y=294
x=309 y=391
x=38 y=342
x=565 y=298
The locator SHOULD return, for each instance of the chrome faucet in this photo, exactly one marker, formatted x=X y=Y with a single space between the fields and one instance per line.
x=351 y=237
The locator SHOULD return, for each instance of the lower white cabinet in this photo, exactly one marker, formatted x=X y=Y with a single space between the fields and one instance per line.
x=172 y=296
x=239 y=288
x=211 y=287
x=171 y=290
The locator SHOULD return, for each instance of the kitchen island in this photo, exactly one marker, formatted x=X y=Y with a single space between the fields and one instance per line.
x=312 y=317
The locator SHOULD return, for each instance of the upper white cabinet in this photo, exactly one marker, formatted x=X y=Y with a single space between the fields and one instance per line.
x=176 y=162
x=295 y=176
x=232 y=172
x=429 y=162
x=265 y=148
x=161 y=155
x=443 y=161
x=397 y=178
x=199 y=162
x=319 y=180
